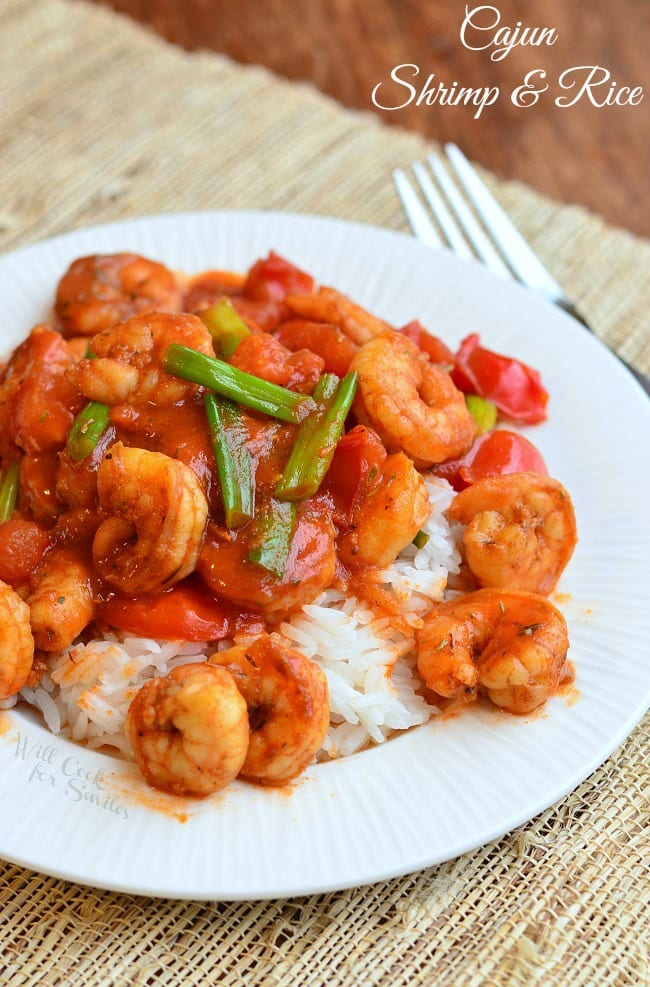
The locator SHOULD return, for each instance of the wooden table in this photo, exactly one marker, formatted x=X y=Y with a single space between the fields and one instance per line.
x=595 y=156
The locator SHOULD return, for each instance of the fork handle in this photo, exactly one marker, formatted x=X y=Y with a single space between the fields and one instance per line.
x=638 y=375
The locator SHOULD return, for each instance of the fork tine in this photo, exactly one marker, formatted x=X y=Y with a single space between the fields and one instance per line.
x=473 y=231
x=447 y=223
x=421 y=225
x=521 y=258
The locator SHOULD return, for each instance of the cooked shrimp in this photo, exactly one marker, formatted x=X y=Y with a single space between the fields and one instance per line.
x=98 y=291
x=37 y=402
x=511 y=645
x=157 y=514
x=288 y=707
x=189 y=730
x=330 y=306
x=16 y=642
x=127 y=363
x=62 y=602
x=521 y=531
x=390 y=518
x=412 y=404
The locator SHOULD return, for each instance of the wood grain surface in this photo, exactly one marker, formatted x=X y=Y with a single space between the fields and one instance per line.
x=594 y=156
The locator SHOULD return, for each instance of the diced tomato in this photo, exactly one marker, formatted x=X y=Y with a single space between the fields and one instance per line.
x=336 y=349
x=22 y=546
x=515 y=388
x=273 y=278
x=185 y=612
x=264 y=356
x=436 y=350
x=494 y=454
x=355 y=470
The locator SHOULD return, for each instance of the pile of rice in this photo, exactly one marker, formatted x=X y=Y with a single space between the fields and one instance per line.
x=368 y=663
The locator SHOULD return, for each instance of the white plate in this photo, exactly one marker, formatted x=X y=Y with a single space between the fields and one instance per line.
x=444 y=788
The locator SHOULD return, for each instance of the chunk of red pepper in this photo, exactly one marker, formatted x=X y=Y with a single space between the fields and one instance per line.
x=511 y=385
x=273 y=278
x=355 y=471
x=494 y=454
x=187 y=611
x=435 y=349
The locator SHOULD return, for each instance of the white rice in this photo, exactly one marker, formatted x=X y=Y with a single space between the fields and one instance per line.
x=372 y=692
x=88 y=689
x=369 y=664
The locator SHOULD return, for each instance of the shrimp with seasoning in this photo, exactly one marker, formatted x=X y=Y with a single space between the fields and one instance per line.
x=413 y=405
x=98 y=291
x=16 y=642
x=520 y=531
x=390 y=517
x=189 y=730
x=37 y=402
x=127 y=360
x=156 y=518
x=330 y=306
x=288 y=707
x=62 y=602
x=510 y=645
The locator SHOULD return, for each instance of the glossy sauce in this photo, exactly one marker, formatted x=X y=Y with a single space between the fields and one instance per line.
x=59 y=509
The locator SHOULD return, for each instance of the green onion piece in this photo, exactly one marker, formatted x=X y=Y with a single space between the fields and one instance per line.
x=252 y=392
x=273 y=537
x=229 y=435
x=8 y=492
x=225 y=326
x=87 y=429
x=316 y=441
x=323 y=392
x=89 y=355
x=421 y=539
x=482 y=411
x=326 y=387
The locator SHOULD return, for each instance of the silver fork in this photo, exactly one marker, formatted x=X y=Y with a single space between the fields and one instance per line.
x=504 y=251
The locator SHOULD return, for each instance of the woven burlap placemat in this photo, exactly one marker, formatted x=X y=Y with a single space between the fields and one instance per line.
x=101 y=121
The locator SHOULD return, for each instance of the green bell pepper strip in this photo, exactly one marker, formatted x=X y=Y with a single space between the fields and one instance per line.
x=483 y=412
